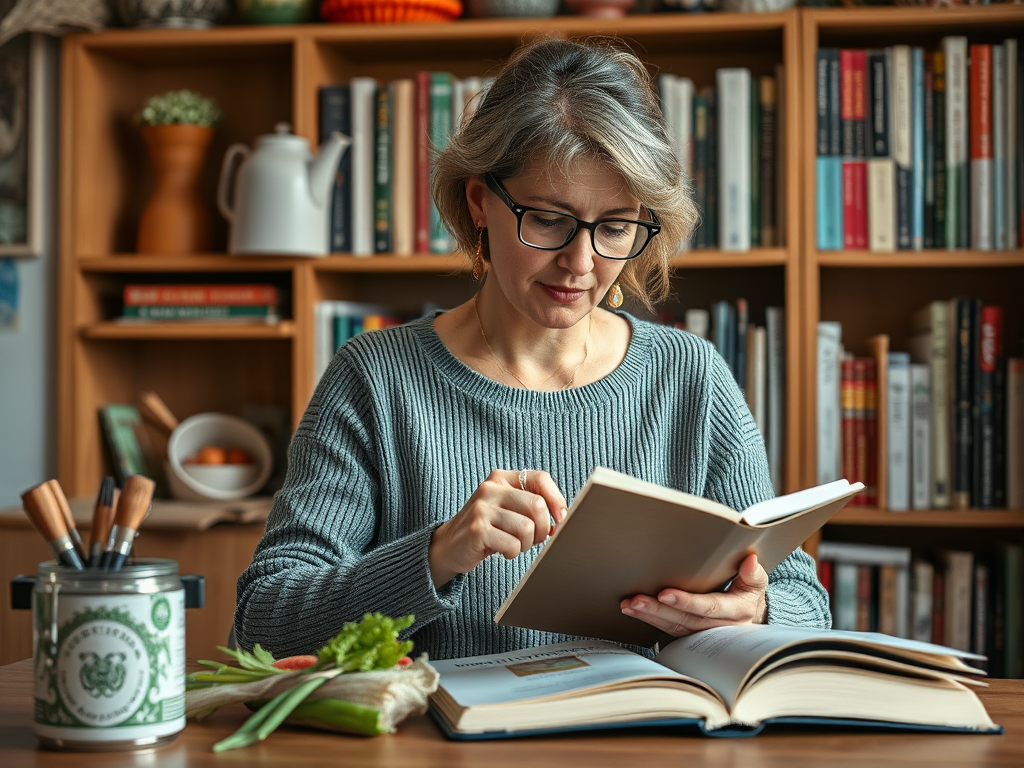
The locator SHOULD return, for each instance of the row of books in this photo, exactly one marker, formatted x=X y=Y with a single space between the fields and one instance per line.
x=756 y=355
x=335 y=322
x=257 y=303
x=381 y=201
x=951 y=411
x=920 y=149
x=972 y=602
x=730 y=138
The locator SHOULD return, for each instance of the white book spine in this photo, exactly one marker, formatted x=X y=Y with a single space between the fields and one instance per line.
x=940 y=450
x=776 y=329
x=1015 y=433
x=1000 y=229
x=1012 y=126
x=403 y=200
x=922 y=601
x=697 y=322
x=903 y=601
x=363 y=93
x=685 y=89
x=828 y=435
x=920 y=448
x=734 y=158
x=898 y=427
x=863 y=554
x=959 y=580
x=844 y=603
x=955 y=56
x=881 y=205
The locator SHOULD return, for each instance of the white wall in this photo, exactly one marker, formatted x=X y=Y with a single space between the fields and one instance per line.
x=28 y=402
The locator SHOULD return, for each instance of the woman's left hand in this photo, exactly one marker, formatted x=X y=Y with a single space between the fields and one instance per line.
x=682 y=613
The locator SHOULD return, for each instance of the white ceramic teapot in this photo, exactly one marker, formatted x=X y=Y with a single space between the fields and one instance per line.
x=282 y=194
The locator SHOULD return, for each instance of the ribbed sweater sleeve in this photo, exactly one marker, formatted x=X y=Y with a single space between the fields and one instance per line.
x=398 y=435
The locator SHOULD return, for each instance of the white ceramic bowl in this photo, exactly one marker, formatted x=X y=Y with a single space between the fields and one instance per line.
x=216 y=482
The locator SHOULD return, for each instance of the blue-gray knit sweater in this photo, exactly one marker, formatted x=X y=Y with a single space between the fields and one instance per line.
x=398 y=435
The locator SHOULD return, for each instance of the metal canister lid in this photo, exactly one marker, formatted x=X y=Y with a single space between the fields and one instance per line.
x=142 y=575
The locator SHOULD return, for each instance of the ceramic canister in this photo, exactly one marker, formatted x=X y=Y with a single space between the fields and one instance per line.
x=109 y=656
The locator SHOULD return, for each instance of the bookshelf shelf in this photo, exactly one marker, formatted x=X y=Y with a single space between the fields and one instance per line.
x=923 y=259
x=439 y=264
x=763 y=257
x=129 y=263
x=944 y=518
x=157 y=331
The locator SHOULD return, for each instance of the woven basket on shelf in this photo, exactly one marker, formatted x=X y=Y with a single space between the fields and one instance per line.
x=384 y=11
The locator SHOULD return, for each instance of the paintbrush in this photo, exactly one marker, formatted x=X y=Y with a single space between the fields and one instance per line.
x=102 y=520
x=44 y=512
x=131 y=509
x=69 y=520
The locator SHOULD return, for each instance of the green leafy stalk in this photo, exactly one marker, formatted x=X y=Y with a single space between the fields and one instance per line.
x=338 y=715
x=368 y=644
x=267 y=718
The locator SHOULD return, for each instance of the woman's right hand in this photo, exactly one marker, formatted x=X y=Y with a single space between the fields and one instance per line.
x=500 y=517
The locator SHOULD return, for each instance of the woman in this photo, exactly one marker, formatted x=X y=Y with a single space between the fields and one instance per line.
x=434 y=458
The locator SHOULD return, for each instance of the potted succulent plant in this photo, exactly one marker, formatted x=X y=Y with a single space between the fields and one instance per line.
x=177 y=127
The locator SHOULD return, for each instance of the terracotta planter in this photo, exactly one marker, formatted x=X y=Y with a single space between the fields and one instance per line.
x=175 y=220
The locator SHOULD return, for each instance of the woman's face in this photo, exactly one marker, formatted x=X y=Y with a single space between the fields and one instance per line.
x=555 y=289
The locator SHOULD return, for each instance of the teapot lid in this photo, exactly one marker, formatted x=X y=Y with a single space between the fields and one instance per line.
x=283 y=133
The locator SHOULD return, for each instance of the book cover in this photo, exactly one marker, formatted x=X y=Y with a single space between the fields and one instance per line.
x=336 y=115
x=128 y=446
x=674 y=538
x=703 y=681
x=733 y=94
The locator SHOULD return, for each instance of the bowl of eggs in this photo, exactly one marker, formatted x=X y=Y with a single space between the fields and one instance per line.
x=217 y=457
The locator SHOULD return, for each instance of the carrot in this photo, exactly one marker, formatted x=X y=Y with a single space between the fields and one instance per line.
x=296 y=662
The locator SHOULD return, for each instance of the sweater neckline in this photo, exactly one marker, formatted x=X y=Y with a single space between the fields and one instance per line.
x=624 y=378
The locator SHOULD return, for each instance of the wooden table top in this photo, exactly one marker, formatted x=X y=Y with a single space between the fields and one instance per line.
x=419 y=743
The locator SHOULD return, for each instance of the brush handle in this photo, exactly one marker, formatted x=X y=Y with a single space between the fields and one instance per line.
x=121 y=539
x=69 y=519
x=64 y=550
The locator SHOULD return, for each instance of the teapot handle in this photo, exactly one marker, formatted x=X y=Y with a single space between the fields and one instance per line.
x=226 y=177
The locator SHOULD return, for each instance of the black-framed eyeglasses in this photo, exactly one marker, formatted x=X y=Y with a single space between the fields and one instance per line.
x=618 y=239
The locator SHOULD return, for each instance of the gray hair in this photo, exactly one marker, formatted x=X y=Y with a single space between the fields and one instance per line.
x=567 y=100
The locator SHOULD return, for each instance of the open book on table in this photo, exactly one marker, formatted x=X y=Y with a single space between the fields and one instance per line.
x=624 y=537
x=725 y=681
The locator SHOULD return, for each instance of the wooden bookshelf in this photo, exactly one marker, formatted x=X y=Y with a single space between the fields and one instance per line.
x=264 y=75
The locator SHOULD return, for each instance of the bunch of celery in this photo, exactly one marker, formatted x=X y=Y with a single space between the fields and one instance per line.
x=360 y=682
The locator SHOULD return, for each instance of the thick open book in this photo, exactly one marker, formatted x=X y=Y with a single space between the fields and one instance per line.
x=624 y=537
x=725 y=681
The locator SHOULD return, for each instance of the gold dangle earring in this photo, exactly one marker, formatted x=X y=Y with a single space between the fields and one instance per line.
x=614 y=297
x=478 y=255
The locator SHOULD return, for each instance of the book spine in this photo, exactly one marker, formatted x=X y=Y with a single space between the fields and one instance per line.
x=848 y=420
x=138 y=295
x=755 y=162
x=701 y=160
x=965 y=349
x=733 y=85
x=741 y=357
x=940 y=369
x=197 y=311
x=1000 y=228
x=990 y=338
x=844 y=604
x=364 y=95
x=422 y=178
x=846 y=108
x=954 y=51
x=929 y=154
x=768 y=112
x=855 y=203
x=917 y=149
x=887 y=615
x=712 y=214
x=871 y=428
x=1015 y=433
x=902 y=100
x=684 y=148
x=881 y=168
x=1000 y=437
x=775 y=322
x=980 y=608
x=981 y=146
x=959 y=573
x=898 y=428
x=828 y=436
x=861 y=451
x=821 y=76
x=382 y=186
x=920 y=441
x=830 y=203
x=440 y=128
x=939 y=128
x=1012 y=131
x=403 y=200
x=336 y=115
x=922 y=587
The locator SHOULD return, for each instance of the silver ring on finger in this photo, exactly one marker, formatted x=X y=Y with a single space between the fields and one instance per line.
x=523 y=475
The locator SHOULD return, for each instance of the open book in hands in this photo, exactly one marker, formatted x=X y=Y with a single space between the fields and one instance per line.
x=625 y=537
x=727 y=681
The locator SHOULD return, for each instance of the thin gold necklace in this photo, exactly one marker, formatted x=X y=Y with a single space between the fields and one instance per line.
x=507 y=372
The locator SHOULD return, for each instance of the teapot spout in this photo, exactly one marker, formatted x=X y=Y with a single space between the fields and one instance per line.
x=324 y=166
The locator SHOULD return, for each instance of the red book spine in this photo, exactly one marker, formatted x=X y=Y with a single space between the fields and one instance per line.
x=855 y=204
x=192 y=295
x=825 y=574
x=871 y=430
x=849 y=419
x=860 y=436
x=422 y=174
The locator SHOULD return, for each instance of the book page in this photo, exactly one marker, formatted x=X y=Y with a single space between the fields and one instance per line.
x=545 y=671
x=784 y=506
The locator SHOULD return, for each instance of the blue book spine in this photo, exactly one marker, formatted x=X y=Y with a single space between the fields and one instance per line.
x=917 y=150
x=342 y=329
x=830 y=203
x=336 y=115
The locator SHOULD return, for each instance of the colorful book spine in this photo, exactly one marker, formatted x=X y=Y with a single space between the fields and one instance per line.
x=701 y=161
x=828 y=405
x=852 y=66
x=768 y=142
x=981 y=147
x=929 y=153
x=138 y=295
x=917 y=149
x=336 y=115
x=989 y=350
x=422 y=177
x=829 y=170
x=902 y=110
x=881 y=167
x=198 y=311
x=848 y=420
x=733 y=93
x=382 y=173
x=441 y=90
x=711 y=215
x=939 y=150
x=871 y=430
x=861 y=449
x=964 y=363
x=954 y=51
